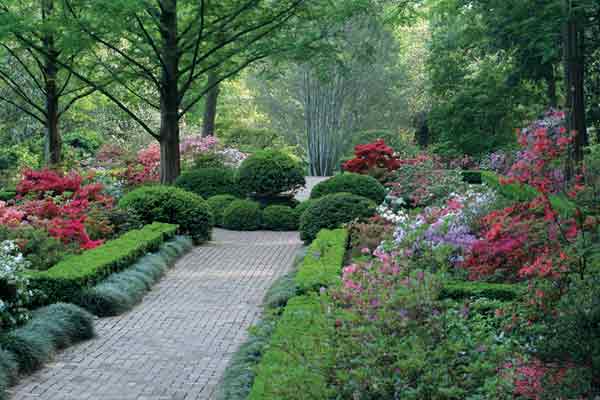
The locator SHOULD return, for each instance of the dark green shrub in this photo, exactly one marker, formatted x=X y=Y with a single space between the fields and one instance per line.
x=171 y=205
x=218 y=204
x=472 y=177
x=209 y=160
x=37 y=246
x=303 y=206
x=280 y=218
x=258 y=138
x=243 y=215
x=86 y=141
x=208 y=182
x=9 y=370
x=31 y=349
x=460 y=290
x=7 y=195
x=268 y=173
x=66 y=280
x=360 y=185
x=332 y=211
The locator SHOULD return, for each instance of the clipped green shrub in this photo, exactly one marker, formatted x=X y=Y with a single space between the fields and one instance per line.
x=472 y=177
x=243 y=215
x=360 y=185
x=280 y=218
x=268 y=173
x=323 y=262
x=332 y=211
x=218 y=204
x=303 y=206
x=65 y=280
x=299 y=356
x=171 y=205
x=209 y=160
x=208 y=182
x=459 y=290
x=122 y=291
x=51 y=328
x=7 y=195
x=282 y=200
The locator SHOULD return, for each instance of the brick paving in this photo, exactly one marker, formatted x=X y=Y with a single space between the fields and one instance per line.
x=177 y=343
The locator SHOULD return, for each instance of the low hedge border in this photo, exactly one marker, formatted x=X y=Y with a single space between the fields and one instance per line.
x=65 y=281
x=323 y=263
x=519 y=192
x=241 y=371
x=458 y=290
x=120 y=292
x=52 y=328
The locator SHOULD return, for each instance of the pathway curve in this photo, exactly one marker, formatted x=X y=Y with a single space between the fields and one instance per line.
x=177 y=343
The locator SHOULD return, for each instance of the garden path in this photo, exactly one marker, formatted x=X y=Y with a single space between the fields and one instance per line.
x=177 y=343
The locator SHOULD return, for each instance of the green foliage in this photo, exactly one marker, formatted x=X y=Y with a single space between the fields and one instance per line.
x=360 y=185
x=243 y=215
x=254 y=138
x=323 y=262
x=209 y=182
x=332 y=211
x=460 y=290
x=7 y=195
x=122 y=291
x=37 y=246
x=281 y=200
x=303 y=206
x=65 y=280
x=280 y=218
x=299 y=356
x=209 y=160
x=51 y=328
x=87 y=142
x=218 y=204
x=9 y=371
x=268 y=173
x=171 y=205
x=472 y=177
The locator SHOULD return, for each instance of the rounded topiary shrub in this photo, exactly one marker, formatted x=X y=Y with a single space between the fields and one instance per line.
x=280 y=218
x=208 y=182
x=268 y=173
x=171 y=205
x=218 y=204
x=360 y=185
x=243 y=215
x=288 y=201
x=332 y=211
x=303 y=206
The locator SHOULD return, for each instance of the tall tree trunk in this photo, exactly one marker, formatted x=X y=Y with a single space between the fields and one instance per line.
x=210 y=107
x=53 y=156
x=574 y=48
x=170 y=159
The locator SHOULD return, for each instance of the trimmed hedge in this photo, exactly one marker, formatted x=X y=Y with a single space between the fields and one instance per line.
x=360 y=185
x=520 y=193
x=209 y=182
x=122 y=291
x=300 y=354
x=303 y=206
x=218 y=204
x=243 y=215
x=280 y=218
x=332 y=211
x=269 y=172
x=65 y=280
x=324 y=260
x=171 y=205
x=458 y=290
x=28 y=348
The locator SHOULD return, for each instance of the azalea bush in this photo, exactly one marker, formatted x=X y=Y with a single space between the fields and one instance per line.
x=15 y=295
x=373 y=159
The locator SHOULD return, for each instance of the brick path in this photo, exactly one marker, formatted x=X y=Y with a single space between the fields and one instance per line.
x=177 y=343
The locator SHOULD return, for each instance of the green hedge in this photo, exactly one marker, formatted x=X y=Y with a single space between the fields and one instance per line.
x=300 y=354
x=458 y=290
x=243 y=215
x=360 y=185
x=280 y=218
x=209 y=182
x=324 y=260
x=520 y=192
x=65 y=280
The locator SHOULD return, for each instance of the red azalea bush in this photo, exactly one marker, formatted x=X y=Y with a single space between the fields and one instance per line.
x=60 y=204
x=372 y=159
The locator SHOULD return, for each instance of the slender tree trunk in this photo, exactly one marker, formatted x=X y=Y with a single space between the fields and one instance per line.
x=574 y=48
x=53 y=156
x=210 y=107
x=170 y=160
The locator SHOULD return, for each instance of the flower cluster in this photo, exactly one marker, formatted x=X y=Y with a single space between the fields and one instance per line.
x=15 y=295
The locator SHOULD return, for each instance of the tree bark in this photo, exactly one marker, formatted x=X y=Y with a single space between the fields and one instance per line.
x=53 y=154
x=574 y=48
x=210 y=107
x=170 y=160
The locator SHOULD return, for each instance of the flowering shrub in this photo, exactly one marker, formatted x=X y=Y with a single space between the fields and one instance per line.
x=146 y=169
x=372 y=159
x=15 y=295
